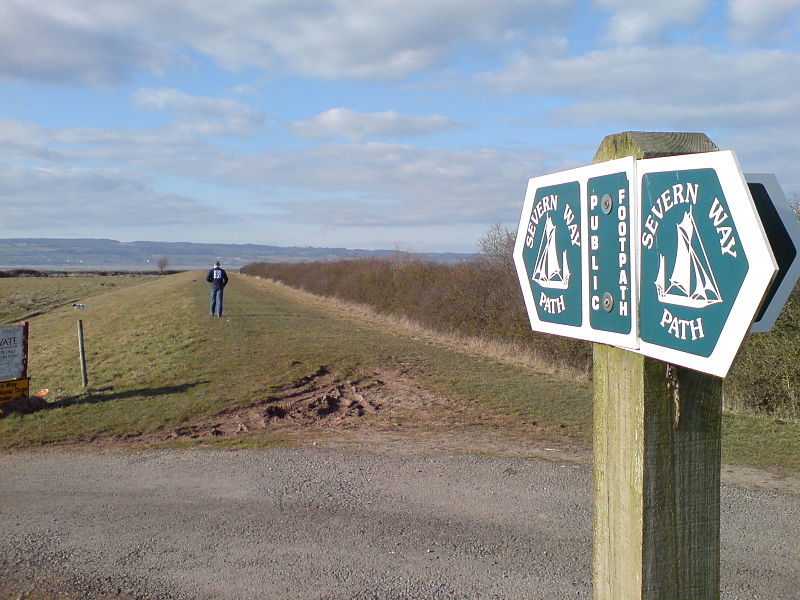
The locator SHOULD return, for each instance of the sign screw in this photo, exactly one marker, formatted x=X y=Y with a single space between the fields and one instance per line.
x=607 y=203
x=608 y=301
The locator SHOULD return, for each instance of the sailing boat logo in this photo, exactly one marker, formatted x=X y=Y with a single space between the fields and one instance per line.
x=692 y=282
x=548 y=272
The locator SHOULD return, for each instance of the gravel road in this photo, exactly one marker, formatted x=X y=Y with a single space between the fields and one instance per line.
x=318 y=524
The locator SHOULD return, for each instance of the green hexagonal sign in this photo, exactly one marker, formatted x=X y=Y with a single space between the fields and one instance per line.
x=705 y=263
x=552 y=253
x=574 y=253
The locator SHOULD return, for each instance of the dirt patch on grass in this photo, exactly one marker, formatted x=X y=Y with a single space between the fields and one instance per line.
x=323 y=398
x=375 y=400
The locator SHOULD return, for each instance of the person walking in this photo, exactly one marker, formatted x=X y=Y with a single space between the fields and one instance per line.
x=218 y=279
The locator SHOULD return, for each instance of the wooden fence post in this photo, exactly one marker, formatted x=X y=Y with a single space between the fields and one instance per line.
x=657 y=453
x=82 y=355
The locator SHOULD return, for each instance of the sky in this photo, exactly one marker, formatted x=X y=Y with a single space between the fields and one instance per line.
x=376 y=124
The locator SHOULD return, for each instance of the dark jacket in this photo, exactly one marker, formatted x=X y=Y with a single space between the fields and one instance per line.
x=217 y=277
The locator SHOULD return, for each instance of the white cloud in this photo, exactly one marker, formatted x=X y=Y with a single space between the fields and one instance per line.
x=151 y=150
x=353 y=125
x=103 y=199
x=691 y=81
x=634 y=21
x=356 y=184
x=750 y=115
x=370 y=39
x=23 y=142
x=103 y=41
x=207 y=116
x=63 y=43
x=367 y=184
x=768 y=19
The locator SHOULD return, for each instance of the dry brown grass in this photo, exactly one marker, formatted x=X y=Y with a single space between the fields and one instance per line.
x=466 y=300
x=509 y=352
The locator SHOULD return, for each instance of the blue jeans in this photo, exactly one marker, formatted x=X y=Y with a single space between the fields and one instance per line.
x=216 y=301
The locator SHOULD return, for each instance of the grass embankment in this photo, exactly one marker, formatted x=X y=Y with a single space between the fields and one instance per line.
x=157 y=361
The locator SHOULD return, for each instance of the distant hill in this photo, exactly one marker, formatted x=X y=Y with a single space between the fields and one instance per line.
x=53 y=253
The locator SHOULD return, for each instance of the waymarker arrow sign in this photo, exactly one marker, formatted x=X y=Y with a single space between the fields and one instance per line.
x=573 y=253
x=705 y=260
x=666 y=257
x=783 y=232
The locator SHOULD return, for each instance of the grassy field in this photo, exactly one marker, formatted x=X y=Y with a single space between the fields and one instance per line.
x=26 y=297
x=158 y=363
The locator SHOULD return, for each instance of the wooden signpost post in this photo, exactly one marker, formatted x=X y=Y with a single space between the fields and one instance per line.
x=656 y=253
x=657 y=455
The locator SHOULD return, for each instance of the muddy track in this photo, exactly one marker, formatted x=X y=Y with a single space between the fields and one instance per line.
x=374 y=400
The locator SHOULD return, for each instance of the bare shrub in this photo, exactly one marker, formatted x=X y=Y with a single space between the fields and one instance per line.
x=482 y=299
x=496 y=247
x=163 y=261
x=794 y=202
x=479 y=300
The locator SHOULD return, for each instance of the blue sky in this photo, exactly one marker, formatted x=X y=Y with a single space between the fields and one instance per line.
x=366 y=123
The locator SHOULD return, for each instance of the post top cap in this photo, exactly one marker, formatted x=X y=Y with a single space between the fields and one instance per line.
x=652 y=144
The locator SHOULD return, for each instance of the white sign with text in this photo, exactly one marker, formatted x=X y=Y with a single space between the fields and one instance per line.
x=13 y=352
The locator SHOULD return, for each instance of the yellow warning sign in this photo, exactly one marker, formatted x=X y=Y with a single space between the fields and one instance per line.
x=16 y=388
